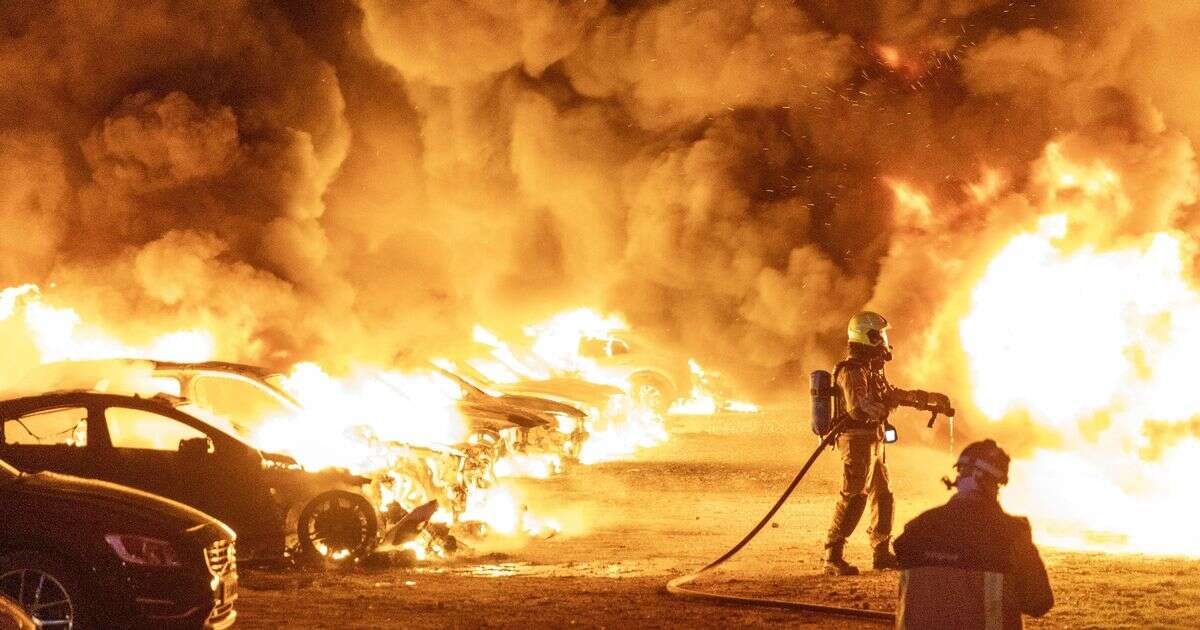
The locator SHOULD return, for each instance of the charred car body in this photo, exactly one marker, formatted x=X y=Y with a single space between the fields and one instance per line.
x=155 y=445
x=539 y=424
x=245 y=394
x=83 y=553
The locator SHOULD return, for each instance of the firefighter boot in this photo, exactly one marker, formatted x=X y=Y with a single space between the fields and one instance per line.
x=884 y=559
x=835 y=564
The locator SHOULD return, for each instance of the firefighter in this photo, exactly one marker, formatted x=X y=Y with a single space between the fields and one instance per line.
x=863 y=404
x=967 y=564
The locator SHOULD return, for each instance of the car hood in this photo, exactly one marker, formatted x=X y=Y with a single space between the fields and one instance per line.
x=495 y=414
x=569 y=389
x=541 y=405
x=102 y=501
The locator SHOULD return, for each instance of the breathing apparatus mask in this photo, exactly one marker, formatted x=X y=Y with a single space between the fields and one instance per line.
x=982 y=465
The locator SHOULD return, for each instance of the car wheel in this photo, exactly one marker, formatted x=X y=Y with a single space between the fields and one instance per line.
x=652 y=392
x=336 y=528
x=45 y=588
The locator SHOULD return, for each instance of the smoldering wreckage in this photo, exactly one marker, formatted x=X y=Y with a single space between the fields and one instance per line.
x=359 y=265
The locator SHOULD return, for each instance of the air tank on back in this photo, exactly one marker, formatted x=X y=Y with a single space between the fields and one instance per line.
x=821 y=389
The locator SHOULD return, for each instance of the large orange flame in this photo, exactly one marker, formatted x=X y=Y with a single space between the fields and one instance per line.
x=1095 y=347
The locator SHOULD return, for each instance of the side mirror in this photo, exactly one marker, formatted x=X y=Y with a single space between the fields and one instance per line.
x=195 y=447
x=889 y=434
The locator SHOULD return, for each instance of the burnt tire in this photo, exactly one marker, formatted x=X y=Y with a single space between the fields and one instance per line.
x=335 y=529
x=46 y=588
x=652 y=391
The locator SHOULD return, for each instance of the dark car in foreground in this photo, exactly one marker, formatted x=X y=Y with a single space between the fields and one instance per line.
x=155 y=444
x=80 y=553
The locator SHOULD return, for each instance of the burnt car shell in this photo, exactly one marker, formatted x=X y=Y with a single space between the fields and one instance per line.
x=67 y=518
x=496 y=411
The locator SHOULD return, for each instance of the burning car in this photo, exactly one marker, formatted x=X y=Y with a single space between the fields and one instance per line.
x=159 y=445
x=543 y=424
x=656 y=378
x=84 y=553
x=415 y=474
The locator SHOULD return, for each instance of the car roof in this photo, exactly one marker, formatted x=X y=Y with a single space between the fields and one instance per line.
x=16 y=407
x=254 y=371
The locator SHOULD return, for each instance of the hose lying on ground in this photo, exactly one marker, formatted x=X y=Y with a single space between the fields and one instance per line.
x=675 y=586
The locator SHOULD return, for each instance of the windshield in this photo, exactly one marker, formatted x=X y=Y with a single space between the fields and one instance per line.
x=276 y=383
x=243 y=401
x=469 y=378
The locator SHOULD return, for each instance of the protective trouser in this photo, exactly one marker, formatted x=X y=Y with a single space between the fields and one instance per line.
x=864 y=475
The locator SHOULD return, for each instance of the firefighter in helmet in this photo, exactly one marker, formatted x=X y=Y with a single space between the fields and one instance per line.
x=968 y=564
x=863 y=404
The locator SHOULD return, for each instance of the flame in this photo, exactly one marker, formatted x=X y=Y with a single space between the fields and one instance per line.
x=554 y=350
x=504 y=366
x=504 y=514
x=531 y=465
x=383 y=423
x=556 y=341
x=1096 y=347
x=364 y=421
x=349 y=421
x=701 y=401
x=59 y=333
x=991 y=183
x=623 y=429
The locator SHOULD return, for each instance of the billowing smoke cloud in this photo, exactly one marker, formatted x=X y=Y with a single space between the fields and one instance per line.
x=336 y=180
x=169 y=161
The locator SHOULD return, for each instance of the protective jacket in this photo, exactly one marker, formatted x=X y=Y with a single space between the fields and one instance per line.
x=967 y=564
x=865 y=391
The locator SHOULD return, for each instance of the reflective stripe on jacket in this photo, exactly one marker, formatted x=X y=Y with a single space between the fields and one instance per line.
x=933 y=598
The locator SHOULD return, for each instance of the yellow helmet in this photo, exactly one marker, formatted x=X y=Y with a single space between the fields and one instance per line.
x=869 y=329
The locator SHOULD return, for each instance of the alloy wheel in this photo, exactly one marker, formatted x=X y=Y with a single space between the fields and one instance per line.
x=41 y=595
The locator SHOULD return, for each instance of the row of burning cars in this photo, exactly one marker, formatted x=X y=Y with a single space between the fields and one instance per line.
x=124 y=484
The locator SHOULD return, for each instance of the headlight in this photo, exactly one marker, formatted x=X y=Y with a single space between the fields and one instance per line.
x=142 y=550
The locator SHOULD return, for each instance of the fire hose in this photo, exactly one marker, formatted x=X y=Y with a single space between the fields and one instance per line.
x=676 y=586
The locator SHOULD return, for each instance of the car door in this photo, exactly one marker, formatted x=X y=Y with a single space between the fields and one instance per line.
x=55 y=438
x=211 y=472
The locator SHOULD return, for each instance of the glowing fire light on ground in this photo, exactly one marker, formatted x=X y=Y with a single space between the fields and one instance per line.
x=1097 y=348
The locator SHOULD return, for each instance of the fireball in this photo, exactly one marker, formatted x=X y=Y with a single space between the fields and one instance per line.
x=1093 y=347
